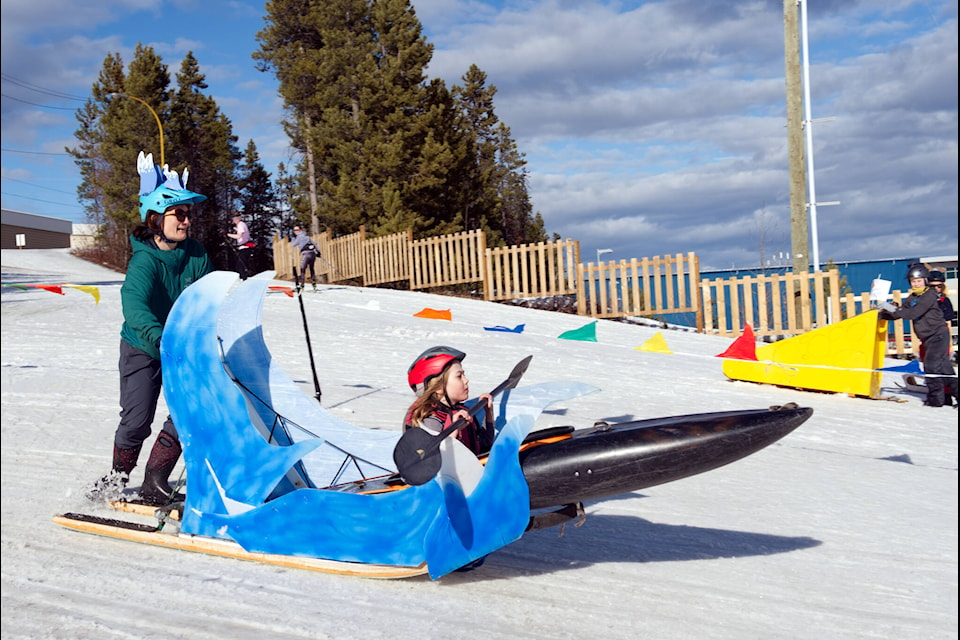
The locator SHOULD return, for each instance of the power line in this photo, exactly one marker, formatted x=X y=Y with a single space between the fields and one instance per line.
x=38 y=186
x=59 y=204
x=42 y=106
x=35 y=153
x=39 y=89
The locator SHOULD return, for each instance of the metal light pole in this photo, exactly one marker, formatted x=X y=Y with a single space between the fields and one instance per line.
x=808 y=131
x=600 y=252
x=155 y=117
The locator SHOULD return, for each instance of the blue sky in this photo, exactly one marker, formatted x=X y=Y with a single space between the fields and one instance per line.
x=650 y=128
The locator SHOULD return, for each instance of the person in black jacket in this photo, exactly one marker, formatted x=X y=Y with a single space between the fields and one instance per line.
x=922 y=309
x=938 y=283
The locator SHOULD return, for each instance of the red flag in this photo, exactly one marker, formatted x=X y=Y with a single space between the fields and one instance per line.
x=286 y=290
x=52 y=288
x=743 y=348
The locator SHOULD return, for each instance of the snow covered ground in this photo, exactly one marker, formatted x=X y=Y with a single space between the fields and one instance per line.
x=847 y=528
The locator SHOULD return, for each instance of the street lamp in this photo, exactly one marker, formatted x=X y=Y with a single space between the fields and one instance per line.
x=155 y=117
x=600 y=252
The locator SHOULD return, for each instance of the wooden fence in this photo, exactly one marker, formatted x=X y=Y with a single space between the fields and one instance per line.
x=532 y=270
x=456 y=258
x=775 y=306
x=646 y=287
x=353 y=256
x=387 y=258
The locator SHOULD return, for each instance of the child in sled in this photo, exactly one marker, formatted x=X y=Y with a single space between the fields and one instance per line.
x=438 y=379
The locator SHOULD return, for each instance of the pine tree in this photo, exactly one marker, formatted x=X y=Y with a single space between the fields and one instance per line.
x=120 y=120
x=257 y=201
x=291 y=46
x=381 y=146
x=202 y=141
x=287 y=193
x=495 y=192
x=475 y=101
x=352 y=75
x=115 y=125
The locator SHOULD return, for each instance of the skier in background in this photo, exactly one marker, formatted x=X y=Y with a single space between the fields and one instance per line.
x=241 y=234
x=308 y=256
x=165 y=261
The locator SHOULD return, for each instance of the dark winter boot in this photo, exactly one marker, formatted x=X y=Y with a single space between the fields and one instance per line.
x=163 y=457
x=934 y=391
x=950 y=392
x=111 y=486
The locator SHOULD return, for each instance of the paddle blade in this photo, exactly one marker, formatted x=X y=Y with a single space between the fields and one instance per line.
x=417 y=457
x=514 y=377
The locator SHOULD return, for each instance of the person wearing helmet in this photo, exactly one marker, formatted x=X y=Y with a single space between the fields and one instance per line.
x=938 y=283
x=442 y=387
x=937 y=280
x=165 y=261
x=922 y=309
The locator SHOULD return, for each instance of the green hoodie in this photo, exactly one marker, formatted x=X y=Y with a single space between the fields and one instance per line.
x=155 y=279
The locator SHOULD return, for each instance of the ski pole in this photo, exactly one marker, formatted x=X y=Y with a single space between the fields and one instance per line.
x=306 y=332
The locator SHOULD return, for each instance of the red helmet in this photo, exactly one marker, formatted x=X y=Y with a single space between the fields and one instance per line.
x=431 y=363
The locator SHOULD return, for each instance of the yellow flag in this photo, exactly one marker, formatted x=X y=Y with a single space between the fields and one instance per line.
x=656 y=344
x=94 y=291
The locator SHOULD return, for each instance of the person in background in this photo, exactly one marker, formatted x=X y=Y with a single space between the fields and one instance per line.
x=922 y=309
x=241 y=234
x=308 y=256
x=164 y=263
x=938 y=283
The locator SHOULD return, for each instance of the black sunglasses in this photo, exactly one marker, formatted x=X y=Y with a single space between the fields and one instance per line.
x=181 y=215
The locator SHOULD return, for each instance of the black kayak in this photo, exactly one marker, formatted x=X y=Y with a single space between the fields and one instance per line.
x=610 y=459
x=565 y=466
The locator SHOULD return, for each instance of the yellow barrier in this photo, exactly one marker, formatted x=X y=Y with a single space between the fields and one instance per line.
x=840 y=358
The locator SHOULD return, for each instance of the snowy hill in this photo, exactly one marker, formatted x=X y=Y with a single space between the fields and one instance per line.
x=847 y=528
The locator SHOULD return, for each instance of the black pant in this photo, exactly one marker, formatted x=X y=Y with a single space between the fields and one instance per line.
x=936 y=360
x=140 y=384
x=308 y=260
x=243 y=259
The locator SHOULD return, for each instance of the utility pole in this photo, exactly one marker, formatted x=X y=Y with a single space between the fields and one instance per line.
x=799 y=230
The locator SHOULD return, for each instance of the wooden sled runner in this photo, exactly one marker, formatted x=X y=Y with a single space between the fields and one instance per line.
x=125 y=530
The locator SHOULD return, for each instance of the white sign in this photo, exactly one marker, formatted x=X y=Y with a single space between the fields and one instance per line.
x=880 y=290
x=21 y=240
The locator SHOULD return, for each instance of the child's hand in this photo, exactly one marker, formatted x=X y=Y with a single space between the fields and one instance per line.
x=487 y=399
x=464 y=415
